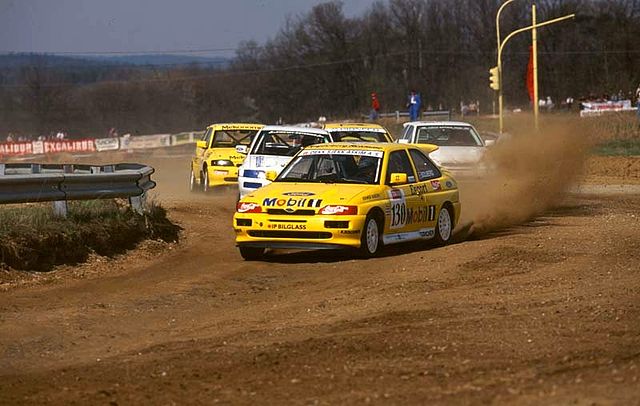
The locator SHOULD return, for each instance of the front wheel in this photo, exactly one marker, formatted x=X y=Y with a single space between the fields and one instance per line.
x=251 y=253
x=193 y=183
x=205 y=180
x=371 y=241
x=444 y=227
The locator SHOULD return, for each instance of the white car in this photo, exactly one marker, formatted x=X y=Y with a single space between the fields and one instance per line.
x=460 y=147
x=271 y=150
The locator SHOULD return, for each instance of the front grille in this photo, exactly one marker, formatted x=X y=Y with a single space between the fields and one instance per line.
x=230 y=179
x=243 y=222
x=283 y=212
x=308 y=235
x=336 y=224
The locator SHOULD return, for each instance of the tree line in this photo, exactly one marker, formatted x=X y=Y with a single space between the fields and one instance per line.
x=326 y=63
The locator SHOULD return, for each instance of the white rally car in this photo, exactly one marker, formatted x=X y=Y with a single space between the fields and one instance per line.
x=461 y=148
x=271 y=150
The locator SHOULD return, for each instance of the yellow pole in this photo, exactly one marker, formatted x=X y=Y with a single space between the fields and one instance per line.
x=534 y=50
x=500 y=115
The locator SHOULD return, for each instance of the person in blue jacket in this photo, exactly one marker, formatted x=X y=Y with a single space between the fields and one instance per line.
x=413 y=104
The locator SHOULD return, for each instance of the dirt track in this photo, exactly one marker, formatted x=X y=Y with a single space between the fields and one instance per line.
x=546 y=312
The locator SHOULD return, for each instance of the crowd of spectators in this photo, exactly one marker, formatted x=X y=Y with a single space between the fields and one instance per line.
x=52 y=136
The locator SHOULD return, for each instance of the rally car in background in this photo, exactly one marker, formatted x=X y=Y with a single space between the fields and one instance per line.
x=461 y=149
x=272 y=149
x=216 y=160
x=358 y=132
x=349 y=195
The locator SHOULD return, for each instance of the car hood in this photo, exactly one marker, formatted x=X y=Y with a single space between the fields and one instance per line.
x=307 y=195
x=457 y=155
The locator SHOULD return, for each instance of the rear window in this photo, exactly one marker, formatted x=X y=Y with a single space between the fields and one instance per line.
x=358 y=136
x=449 y=136
x=283 y=143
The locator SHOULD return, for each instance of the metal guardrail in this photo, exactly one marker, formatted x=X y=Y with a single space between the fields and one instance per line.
x=424 y=114
x=59 y=183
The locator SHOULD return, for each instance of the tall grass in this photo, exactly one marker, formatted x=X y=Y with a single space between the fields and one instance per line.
x=32 y=238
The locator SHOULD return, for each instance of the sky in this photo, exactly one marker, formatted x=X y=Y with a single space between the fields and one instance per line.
x=137 y=26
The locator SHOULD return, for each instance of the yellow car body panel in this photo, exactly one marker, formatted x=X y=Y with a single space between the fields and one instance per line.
x=290 y=212
x=361 y=129
x=220 y=161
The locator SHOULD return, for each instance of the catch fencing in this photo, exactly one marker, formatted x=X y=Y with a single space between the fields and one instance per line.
x=59 y=183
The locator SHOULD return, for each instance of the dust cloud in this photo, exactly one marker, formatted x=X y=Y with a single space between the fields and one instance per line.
x=528 y=174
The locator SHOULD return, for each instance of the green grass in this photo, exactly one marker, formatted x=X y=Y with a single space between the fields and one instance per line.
x=619 y=147
x=31 y=238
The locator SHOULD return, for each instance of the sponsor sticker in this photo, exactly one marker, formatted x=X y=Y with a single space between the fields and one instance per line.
x=435 y=184
x=299 y=194
x=359 y=152
x=286 y=226
x=449 y=184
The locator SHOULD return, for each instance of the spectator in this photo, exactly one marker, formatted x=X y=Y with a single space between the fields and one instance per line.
x=375 y=107
x=10 y=137
x=638 y=100
x=413 y=104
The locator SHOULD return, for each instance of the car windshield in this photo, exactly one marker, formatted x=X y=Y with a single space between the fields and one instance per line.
x=448 y=136
x=231 y=138
x=331 y=166
x=285 y=143
x=358 y=136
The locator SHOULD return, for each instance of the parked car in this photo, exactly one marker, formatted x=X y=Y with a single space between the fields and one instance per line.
x=272 y=149
x=460 y=147
x=216 y=160
x=358 y=132
x=345 y=195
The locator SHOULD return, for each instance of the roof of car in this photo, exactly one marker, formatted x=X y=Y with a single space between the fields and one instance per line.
x=236 y=126
x=353 y=126
x=365 y=146
x=437 y=123
x=295 y=129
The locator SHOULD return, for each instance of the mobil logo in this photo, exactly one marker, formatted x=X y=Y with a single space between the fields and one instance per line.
x=291 y=202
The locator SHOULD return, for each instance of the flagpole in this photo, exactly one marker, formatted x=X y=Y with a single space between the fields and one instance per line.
x=534 y=41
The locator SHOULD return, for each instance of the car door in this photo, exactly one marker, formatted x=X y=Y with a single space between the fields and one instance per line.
x=402 y=202
x=200 y=152
x=428 y=189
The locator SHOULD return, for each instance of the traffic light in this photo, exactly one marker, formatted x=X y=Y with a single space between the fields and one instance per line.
x=494 y=77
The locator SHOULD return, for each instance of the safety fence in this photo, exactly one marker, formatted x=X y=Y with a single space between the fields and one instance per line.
x=90 y=145
x=59 y=183
x=425 y=115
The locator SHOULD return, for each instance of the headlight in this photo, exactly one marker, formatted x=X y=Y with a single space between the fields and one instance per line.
x=339 y=210
x=251 y=173
x=221 y=162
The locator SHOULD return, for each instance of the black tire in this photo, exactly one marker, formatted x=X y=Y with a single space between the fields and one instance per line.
x=193 y=183
x=204 y=180
x=251 y=253
x=371 y=238
x=444 y=226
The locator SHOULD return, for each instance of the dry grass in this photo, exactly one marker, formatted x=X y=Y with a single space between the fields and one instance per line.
x=31 y=238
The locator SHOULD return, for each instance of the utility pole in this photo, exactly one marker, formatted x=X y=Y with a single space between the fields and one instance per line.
x=534 y=51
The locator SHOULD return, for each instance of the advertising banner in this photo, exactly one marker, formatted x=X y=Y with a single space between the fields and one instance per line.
x=599 y=108
x=16 y=148
x=107 y=144
x=53 y=146
x=145 y=141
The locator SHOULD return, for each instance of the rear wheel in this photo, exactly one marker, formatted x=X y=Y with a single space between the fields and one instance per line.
x=371 y=239
x=251 y=253
x=444 y=227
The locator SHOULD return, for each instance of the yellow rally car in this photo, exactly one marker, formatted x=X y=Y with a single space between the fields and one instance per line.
x=342 y=195
x=216 y=159
x=358 y=132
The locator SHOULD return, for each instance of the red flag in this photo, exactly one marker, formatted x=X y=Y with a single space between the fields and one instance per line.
x=530 y=75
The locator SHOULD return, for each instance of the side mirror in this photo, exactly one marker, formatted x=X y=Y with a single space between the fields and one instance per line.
x=201 y=144
x=398 y=179
x=271 y=175
x=403 y=141
x=242 y=149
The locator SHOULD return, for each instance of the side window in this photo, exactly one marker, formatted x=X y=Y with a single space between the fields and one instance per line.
x=399 y=163
x=207 y=136
x=426 y=169
x=406 y=135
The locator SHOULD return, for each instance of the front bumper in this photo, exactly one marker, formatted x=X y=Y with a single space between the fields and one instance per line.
x=222 y=175
x=297 y=232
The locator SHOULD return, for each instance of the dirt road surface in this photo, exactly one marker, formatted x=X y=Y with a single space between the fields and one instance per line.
x=542 y=311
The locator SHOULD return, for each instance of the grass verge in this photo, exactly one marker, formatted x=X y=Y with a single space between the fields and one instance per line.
x=32 y=239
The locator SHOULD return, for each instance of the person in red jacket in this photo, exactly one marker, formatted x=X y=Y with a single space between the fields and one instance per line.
x=375 y=106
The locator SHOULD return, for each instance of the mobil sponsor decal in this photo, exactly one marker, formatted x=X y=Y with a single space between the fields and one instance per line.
x=291 y=202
